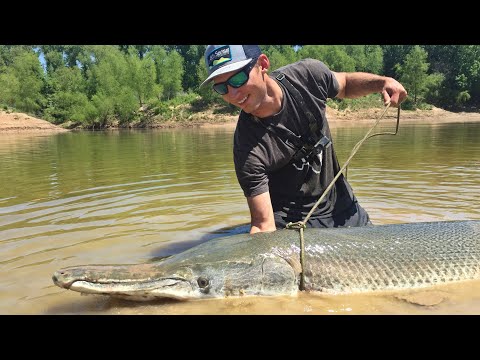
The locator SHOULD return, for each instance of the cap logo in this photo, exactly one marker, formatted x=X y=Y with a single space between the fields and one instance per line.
x=219 y=56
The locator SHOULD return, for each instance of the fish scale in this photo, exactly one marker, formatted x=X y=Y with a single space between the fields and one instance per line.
x=395 y=256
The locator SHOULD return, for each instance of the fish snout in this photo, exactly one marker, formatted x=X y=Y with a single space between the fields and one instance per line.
x=59 y=279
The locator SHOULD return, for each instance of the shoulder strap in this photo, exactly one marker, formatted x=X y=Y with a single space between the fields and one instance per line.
x=314 y=142
x=299 y=99
x=295 y=140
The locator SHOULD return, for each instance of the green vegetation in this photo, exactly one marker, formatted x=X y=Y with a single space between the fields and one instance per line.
x=97 y=86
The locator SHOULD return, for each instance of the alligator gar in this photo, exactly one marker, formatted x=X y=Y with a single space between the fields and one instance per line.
x=336 y=260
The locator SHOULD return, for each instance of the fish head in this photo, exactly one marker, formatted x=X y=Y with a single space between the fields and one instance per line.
x=182 y=280
x=239 y=265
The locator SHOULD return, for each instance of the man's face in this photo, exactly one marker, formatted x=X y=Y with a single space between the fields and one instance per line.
x=243 y=87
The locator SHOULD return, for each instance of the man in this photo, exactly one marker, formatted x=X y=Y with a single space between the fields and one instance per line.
x=283 y=154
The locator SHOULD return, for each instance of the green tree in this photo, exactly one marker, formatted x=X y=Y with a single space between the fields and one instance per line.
x=279 y=55
x=358 y=54
x=54 y=56
x=24 y=76
x=334 y=56
x=67 y=100
x=191 y=55
x=9 y=52
x=108 y=77
x=140 y=76
x=393 y=55
x=413 y=72
x=140 y=50
x=209 y=96
x=9 y=87
x=467 y=77
x=374 y=59
x=368 y=58
x=170 y=72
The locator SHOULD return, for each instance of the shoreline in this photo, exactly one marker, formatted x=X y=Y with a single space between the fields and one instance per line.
x=24 y=123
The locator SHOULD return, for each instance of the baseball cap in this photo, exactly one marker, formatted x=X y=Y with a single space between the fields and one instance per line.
x=221 y=59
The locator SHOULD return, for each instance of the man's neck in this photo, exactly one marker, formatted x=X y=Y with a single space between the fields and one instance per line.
x=272 y=103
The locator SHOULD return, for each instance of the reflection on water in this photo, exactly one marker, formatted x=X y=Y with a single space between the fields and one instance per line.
x=137 y=196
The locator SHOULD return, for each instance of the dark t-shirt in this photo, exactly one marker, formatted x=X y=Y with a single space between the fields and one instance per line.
x=263 y=158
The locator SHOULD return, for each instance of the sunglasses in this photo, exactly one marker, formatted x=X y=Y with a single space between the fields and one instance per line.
x=236 y=80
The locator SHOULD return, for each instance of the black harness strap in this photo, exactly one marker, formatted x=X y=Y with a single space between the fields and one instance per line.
x=309 y=144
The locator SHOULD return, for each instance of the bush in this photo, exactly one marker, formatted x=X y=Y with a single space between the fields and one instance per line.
x=363 y=102
x=409 y=104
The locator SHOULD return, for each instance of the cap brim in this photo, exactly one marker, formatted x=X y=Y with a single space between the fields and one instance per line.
x=224 y=69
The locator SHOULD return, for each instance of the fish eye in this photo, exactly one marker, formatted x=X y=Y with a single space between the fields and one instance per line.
x=202 y=282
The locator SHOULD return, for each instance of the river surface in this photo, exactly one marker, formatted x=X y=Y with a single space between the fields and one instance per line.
x=132 y=196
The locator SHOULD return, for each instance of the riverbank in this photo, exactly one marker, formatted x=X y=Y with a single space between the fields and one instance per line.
x=20 y=122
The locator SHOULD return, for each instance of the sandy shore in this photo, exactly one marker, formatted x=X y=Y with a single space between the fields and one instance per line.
x=20 y=122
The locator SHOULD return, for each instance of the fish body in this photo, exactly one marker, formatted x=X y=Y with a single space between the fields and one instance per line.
x=337 y=261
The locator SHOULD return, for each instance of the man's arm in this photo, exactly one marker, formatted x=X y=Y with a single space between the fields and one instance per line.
x=356 y=84
x=261 y=213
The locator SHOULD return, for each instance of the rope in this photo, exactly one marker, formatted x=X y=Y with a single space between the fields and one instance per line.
x=301 y=225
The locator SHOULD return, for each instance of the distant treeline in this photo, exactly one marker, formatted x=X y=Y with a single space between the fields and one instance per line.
x=97 y=85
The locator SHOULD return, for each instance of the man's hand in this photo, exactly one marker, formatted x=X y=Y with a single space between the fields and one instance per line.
x=393 y=92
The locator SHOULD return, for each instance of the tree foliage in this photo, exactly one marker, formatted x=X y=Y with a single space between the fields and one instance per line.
x=413 y=72
x=97 y=85
x=22 y=81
